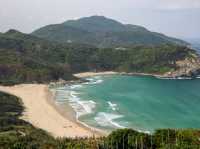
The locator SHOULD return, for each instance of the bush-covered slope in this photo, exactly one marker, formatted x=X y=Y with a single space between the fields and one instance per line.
x=103 y=32
x=15 y=132
x=25 y=58
x=161 y=60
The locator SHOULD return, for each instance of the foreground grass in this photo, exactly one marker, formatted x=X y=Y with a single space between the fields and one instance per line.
x=19 y=134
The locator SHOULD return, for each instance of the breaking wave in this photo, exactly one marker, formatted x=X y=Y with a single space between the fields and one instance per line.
x=81 y=107
x=112 y=105
x=94 y=80
x=107 y=119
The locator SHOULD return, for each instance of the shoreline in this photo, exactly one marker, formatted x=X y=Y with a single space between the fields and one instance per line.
x=92 y=74
x=42 y=112
x=158 y=76
x=68 y=112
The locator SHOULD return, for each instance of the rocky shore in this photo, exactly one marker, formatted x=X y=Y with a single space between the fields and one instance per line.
x=189 y=67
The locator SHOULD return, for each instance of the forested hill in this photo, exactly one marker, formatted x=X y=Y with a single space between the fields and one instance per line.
x=25 y=58
x=103 y=33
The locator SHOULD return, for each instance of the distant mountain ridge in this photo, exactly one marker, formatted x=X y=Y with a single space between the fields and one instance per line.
x=103 y=32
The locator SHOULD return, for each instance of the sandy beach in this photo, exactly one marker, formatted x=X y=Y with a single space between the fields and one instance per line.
x=91 y=74
x=41 y=111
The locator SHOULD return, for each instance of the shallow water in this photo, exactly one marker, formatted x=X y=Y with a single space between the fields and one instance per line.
x=142 y=103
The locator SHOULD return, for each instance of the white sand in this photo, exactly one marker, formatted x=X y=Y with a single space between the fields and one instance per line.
x=91 y=74
x=40 y=112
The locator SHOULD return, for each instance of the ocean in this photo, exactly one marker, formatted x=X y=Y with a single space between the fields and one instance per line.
x=143 y=103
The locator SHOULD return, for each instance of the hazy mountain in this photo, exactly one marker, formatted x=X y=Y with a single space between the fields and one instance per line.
x=103 y=32
x=195 y=43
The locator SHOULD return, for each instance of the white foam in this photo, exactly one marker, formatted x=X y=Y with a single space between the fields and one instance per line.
x=94 y=80
x=198 y=77
x=75 y=86
x=112 y=105
x=81 y=107
x=107 y=119
x=90 y=79
x=97 y=77
x=174 y=78
x=184 y=78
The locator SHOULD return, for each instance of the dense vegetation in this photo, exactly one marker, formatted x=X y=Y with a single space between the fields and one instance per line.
x=103 y=33
x=16 y=133
x=25 y=58
x=142 y=59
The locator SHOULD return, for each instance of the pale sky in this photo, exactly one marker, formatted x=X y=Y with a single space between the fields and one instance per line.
x=178 y=18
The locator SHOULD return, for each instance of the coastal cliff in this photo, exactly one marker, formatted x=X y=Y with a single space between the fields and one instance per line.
x=188 y=67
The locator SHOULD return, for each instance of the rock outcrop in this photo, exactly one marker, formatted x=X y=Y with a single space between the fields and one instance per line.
x=189 y=67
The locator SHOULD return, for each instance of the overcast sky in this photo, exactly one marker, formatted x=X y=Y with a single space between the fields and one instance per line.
x=178 y=18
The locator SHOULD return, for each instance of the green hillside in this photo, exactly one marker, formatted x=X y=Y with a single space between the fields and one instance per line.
x=103 y=32
x=25 y=58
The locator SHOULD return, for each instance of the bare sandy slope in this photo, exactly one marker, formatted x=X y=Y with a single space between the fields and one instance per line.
x=40 y=112
x=90 y=74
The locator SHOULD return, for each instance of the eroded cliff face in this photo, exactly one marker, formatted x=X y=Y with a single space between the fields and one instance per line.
x=188 y=67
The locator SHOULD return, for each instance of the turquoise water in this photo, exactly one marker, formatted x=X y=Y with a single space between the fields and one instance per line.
x=142 y=103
